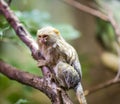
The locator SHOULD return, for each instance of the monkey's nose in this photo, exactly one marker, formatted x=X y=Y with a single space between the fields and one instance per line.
x=43 y=40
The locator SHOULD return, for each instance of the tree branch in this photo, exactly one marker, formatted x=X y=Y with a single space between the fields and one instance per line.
x=22 y=33
x=42 y=84
x=22 y=77
x=87 y=9
x=101 y=86
x=106 y=17
x=46 y=84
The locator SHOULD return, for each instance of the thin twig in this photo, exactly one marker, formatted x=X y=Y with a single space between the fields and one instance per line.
x=102 y=86
x=118 y=51
x=87 y=9
x=115 y=25
x=106 y=17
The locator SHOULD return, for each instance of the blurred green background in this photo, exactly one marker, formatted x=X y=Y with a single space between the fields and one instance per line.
x=92 y=38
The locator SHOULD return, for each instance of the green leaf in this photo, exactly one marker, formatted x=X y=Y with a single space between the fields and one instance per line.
x=1 y=33
x=67 y=31
x=21 y=101
x=34 y=17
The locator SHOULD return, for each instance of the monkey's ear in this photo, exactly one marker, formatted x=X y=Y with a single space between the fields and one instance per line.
x=56 y=31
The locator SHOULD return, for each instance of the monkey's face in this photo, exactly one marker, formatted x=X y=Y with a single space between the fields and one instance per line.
x=42 y=39
x=47 y=36
x=47 y=39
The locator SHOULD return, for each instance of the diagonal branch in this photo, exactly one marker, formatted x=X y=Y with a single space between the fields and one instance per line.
x=103 y=85
x=20 y=30
x=24 y=77
x=87 y=9
x=42 y=84
x=106 y=17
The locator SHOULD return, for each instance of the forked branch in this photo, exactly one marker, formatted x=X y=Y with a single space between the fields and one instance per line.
x=45 y=84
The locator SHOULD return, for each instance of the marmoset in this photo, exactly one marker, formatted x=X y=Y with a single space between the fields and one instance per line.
x=62 y=59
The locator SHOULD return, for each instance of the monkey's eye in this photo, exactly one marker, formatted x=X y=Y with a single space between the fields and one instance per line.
x=39 y=36
x=45 y=36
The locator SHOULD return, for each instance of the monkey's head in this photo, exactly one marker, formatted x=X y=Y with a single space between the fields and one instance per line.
x=47 y=36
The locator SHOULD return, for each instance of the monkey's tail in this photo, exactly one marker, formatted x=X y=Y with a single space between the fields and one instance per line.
x=80 y=94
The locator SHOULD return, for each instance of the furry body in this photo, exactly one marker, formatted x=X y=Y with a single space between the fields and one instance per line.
x=61 y=58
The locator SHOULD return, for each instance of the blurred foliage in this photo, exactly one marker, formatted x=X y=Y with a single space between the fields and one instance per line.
x=106 y=59
x=105 y=31
x=111 y=5
x=21 y=101
x=104 y=28
x=36 y=19
x=106 y=34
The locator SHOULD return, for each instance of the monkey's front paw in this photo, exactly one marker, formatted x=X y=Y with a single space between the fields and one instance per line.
x=41 y=63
